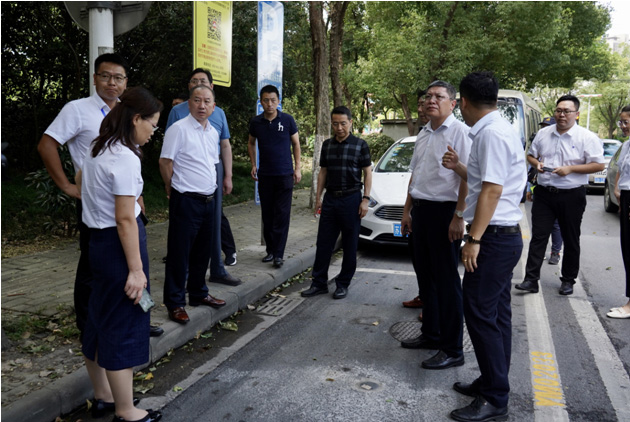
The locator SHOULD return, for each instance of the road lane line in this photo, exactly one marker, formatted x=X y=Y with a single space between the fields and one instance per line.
x=609 y=365
x=549 y=402
x=384 y=271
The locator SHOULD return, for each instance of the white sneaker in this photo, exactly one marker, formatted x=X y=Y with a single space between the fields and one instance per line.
x=230 y=260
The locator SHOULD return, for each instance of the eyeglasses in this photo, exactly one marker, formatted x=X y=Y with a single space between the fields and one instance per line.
x=199 y=82
x=623 y=123
x=560 y=111
x=342 y=124
x=155 y=127
x=437 y=97
x=105 y=77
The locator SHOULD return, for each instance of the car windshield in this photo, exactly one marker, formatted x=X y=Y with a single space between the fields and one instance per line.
x=397 y=159
x=610 y=148
x=511 y=110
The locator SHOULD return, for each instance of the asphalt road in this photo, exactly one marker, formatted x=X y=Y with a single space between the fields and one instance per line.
x=335 y=360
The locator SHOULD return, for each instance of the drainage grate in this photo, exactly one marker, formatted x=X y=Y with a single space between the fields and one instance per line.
x=405 y=330
x=278 y=306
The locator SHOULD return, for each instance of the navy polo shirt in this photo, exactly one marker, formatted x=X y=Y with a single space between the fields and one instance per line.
x=274 y=143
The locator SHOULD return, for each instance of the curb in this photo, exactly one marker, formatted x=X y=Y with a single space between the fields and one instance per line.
x=71 y=391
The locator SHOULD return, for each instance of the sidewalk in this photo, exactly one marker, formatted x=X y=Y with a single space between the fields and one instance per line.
x=43 y=283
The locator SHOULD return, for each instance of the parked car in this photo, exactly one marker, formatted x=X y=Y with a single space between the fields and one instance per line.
x=390 y=181
x=610 y=201
x=598 y=180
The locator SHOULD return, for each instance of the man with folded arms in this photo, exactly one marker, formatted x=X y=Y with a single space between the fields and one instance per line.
x=433 y=212
x=564 y=155
x=188 y=167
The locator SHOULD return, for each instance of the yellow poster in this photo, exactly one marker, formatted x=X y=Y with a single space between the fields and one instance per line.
x=212 y=39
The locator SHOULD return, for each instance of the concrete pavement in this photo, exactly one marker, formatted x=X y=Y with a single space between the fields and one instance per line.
x=43 y=283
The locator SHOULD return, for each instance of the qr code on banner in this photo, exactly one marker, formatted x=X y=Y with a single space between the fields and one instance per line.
x=214 y=25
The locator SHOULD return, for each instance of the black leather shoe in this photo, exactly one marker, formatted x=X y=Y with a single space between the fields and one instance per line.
x=155 y=331
x=471 y=390
x=101 y=408
x=227 y=279
x=528 y=286
x=442 y=361
x=340 y=293
x=566 y=288
x=278 y=262
x=479 y=411
x=153 y=416
x=268 y=258
x=314 y=291
x=419 y=343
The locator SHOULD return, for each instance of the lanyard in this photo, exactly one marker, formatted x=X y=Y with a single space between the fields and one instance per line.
x=103 y=112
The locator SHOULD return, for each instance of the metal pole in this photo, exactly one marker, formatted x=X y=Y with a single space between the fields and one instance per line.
x=101 y=24
x=588 y=114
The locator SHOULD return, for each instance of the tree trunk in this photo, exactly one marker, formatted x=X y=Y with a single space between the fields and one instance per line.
x=337 y=14
x=320 y=78
x=405 y=107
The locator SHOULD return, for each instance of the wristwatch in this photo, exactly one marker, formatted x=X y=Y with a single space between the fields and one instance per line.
x=473 y=240
x=459 y=214
x=366 y=197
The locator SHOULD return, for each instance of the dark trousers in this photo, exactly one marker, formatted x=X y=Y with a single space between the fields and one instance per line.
x=222 y=238
x=437 y=260
x=414 y=262
x=275 y=204
x=556 y=238
x=567 y=207
x=190 y=230
x=489 y=314
x=339 y=215
x=83 y=278
x=624 y=219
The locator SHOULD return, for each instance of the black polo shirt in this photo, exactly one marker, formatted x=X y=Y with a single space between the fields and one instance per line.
x=274 y=143
x=344 y=162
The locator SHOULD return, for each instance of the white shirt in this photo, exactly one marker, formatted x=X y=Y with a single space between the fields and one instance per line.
x=497 y=157
x=78 y=124
x=430 y=180
x=624 y=166
x=115 y=171
x=576 y=146
x=195 y=152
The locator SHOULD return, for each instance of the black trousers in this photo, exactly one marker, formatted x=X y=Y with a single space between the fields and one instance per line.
x=441 y=286
x=227 y=238
x=275 y=204
x=624 y=218
x=83 y=278
x=567 y=207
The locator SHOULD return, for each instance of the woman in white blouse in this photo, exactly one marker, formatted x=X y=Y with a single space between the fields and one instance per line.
x=622 y=192
x=116 y=337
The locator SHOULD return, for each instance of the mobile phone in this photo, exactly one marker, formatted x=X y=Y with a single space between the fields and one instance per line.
x=146 y=302
x=549 y=169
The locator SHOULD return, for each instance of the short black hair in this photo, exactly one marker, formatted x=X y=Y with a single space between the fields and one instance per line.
x=480 y=88
x=571 y=98
x=269 y=89
x=452 y=92
x=182 y=96
x=421 y=93
x=111 y=58
x=626 y=109
x=342 y=110
x=196 y=87
x=200 y=70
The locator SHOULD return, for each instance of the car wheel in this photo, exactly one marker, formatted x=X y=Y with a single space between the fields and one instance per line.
x=609 y=206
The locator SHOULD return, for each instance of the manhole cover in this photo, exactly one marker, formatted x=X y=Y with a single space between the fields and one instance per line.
x=405 y=330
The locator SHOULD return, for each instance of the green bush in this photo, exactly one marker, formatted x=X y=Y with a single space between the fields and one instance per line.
x=378 y=144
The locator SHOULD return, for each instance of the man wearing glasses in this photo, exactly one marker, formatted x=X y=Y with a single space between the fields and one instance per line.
x=564 y=155
x=223 y=238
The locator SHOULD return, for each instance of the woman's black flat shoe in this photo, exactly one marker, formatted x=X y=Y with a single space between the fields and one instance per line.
x=101 y=408
x=153 y=416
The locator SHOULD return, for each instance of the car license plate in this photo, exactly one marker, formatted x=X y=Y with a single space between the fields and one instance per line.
x=600 y=180
x=397 y=230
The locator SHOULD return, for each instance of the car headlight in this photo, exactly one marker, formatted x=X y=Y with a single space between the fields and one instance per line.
x=372 y=203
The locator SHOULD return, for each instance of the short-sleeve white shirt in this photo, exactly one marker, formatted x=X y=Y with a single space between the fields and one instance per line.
x=115 y=171
x=576 y=146
x=430 y=180
x=78 y=124
x=623 y=161
x=497 y=157
x=195 y=152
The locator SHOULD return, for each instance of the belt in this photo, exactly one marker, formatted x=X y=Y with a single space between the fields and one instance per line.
x=493 y=229
x=553 y=189
x=419 y=202
x=347 y=192
x=198 y=196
